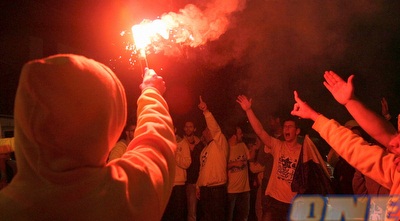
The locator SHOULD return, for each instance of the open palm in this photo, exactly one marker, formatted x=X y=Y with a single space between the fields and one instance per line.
x=342 y=91
x=244 y=102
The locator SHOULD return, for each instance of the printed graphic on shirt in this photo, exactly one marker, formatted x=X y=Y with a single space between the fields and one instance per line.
x=243 y=166
x=204 y=159
x=286 y=168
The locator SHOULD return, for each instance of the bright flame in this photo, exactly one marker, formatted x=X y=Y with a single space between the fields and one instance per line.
x=147 y=32
x=190 y=27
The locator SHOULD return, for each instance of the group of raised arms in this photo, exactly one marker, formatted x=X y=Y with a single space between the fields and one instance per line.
x=69 y=114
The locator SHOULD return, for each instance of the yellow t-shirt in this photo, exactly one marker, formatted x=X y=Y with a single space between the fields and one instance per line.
x=285 y=163
x=238 y=176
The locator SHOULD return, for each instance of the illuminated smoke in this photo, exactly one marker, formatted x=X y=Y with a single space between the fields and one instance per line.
x=203 y=26
x=191 y=27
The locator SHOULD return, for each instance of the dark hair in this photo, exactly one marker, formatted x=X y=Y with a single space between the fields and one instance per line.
x=189 y=120
x=292 y=118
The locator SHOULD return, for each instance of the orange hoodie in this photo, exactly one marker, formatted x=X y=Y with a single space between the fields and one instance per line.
x=69 y=112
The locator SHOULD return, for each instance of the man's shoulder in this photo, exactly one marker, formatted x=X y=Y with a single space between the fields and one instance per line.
x=277 y=142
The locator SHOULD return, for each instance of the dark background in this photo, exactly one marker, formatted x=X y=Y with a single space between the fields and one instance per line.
x=270 y=48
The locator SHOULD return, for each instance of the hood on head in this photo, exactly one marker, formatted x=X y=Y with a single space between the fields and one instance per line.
x=69 y=112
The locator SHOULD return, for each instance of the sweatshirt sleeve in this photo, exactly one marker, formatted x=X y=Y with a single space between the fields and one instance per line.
x=216 y=132
x=148 y=165
x=372 y=161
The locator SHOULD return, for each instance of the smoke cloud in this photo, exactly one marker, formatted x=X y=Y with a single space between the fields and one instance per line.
x=267 y=48
x=202 y=25
x=277 y=46
x=192 y=26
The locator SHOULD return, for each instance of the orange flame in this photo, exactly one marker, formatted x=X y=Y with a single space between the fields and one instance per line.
x=190 y=27
x=147 y=32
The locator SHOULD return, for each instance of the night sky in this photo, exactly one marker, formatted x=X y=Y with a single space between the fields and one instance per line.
x=269 y=49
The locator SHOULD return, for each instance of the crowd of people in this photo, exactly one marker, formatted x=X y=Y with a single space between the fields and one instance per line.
x=78 y=157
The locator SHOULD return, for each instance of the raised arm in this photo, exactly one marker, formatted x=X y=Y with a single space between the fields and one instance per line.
x=374 y=124
x=245 y=103
x=212 y=124
x=302 y=109
x=150 y=155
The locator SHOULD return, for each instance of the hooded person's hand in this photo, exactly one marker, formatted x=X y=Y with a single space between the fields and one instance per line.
x=152 y=80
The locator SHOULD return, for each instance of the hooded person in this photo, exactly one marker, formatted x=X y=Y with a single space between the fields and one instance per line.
x=69 y=112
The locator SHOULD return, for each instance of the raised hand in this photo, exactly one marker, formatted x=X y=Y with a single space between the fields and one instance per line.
x=342 y=91
x=301 y=109
x=151 y=79
x=244 y=102
x=202 y=105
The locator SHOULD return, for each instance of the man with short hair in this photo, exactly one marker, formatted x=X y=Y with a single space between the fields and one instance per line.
x=213 y=176
x=195 y=147
x=286 y=153
x=176 y=208
x=238 y=177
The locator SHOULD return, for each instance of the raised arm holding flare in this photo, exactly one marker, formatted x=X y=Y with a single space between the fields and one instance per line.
x=69 y=112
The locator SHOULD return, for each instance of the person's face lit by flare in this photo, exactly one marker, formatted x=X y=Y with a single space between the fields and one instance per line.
x=189 y=128
x=290 y=130
x=239 y=134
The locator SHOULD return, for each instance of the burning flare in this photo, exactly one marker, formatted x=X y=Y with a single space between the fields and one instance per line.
x=190 y=27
